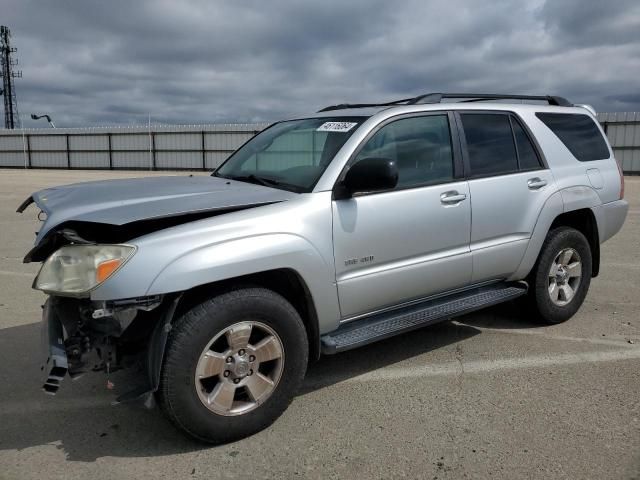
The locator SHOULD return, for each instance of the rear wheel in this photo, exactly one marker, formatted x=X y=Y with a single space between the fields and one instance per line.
x=233 y=365
x=561 y=278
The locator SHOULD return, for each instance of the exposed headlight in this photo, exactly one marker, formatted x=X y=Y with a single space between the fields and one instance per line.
x=76 y=269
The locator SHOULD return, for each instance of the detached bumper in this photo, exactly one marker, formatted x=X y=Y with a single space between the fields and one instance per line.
x=80 y=336
x=55 y=365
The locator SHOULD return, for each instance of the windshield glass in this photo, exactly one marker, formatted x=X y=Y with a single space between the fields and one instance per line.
x=290 y=155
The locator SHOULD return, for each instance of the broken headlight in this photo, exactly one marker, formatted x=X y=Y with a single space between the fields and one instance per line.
x=76 y=269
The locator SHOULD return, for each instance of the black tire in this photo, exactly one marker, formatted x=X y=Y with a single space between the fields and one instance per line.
x=190 y=336
x=557 y=240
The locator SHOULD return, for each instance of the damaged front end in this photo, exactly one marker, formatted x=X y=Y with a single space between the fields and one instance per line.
x=87 y=235
x=83 y=336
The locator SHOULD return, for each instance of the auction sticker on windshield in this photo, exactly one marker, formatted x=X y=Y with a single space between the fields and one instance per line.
x=336 y=126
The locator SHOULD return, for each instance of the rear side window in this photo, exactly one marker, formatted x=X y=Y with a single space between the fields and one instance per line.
x=526 y=153
x=489 y=144
x=579 y=134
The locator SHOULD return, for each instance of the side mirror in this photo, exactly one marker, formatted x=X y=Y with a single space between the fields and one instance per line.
x=370 y=174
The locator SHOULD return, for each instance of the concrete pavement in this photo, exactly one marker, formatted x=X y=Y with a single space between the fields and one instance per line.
x=488 y=395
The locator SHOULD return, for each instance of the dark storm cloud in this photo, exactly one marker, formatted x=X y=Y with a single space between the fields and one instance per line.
x=89 y=62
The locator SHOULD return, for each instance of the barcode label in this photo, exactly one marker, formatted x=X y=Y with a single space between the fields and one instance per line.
x=336 y=126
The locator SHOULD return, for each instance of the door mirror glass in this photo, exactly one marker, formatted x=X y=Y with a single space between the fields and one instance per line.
x=369 y=174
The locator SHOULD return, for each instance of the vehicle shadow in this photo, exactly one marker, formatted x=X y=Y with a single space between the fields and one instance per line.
x=337 y=368
x=81 y=421
x=333 y=369
x=515 y=314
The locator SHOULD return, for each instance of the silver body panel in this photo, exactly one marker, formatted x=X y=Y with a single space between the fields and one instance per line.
x=423 y=251
x=406 y=244
x=292 y=235
x=118 y=202
x=505 y=212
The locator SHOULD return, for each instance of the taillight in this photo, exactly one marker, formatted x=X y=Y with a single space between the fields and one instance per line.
x=621 y=180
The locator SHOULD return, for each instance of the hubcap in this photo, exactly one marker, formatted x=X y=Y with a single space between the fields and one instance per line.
x=239 y=368
x=564 y=276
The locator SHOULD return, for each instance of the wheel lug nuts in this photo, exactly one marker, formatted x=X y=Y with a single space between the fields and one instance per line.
x=229 y=359
x=241 y=352
x=236 y=380
x=226 y=373
x=252 y=358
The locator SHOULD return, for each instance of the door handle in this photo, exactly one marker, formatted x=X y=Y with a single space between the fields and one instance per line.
x=451 y=197
x=536 y=183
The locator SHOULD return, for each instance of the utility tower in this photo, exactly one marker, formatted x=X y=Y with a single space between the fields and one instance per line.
x=8 y=74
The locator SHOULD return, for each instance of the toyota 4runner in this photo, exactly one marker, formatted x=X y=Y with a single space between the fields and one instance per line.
x=319 y=235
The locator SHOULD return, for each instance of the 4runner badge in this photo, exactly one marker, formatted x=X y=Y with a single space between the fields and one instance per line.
x=355 y=261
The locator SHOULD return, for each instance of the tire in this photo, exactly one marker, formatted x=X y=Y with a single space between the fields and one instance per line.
x=196 y=383
x=574 y=247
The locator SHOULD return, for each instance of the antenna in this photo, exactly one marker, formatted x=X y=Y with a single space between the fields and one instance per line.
x=8 y=74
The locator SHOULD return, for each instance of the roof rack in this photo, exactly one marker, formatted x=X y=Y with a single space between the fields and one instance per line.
x=468 y=97
x=344 y=106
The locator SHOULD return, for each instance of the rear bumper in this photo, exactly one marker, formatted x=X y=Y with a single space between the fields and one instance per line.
x=610 y=218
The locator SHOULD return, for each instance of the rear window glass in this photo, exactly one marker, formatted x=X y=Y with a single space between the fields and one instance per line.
x=489 y=143
x=579 y=134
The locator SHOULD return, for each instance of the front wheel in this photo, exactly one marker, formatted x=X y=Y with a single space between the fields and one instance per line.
x=561 y=278
x=233 y=365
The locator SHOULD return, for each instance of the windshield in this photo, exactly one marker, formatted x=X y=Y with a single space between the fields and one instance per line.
x=290 y=155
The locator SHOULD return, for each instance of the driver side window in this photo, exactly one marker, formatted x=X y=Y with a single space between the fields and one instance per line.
x=420 y=146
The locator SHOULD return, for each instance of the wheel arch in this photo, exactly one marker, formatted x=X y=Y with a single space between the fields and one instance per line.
x=286 y=282
x=585 y=222
x=555 y=214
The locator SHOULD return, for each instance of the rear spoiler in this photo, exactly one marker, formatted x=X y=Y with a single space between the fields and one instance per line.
x=589 y=108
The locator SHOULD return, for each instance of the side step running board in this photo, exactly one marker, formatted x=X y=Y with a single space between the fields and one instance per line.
x=384 y=325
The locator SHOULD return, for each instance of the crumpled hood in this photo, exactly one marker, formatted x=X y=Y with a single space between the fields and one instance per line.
x=119 y=202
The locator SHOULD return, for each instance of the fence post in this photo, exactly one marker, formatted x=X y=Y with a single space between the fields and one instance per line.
x=153 y=150
x=204 y=154
x=28 y=151
x=110 y=151
x=66 y=136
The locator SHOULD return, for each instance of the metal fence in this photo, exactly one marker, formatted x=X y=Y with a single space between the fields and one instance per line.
x=201 y=147
x=623 y=131
x=190 y=147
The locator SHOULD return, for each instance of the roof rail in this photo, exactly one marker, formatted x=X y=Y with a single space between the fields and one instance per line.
x=468 y=97
x=344 y=106
x=479 y=97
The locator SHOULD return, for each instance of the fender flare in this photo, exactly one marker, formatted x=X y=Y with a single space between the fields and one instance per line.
x=562 y=201
x=251 y=255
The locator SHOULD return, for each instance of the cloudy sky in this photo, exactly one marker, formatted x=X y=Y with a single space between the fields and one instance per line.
x=189 y=61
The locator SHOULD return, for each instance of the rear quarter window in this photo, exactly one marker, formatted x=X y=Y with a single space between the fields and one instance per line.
x=579 y=133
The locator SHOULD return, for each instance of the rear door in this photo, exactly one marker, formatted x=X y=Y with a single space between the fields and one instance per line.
x=508 y=184
x=413 y=241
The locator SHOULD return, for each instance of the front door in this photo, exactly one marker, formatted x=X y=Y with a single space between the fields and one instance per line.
x=413 y=241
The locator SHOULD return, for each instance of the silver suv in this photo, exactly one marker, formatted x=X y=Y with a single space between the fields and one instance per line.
x=319 y=235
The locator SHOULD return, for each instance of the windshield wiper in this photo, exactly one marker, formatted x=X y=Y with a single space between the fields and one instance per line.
x=267 y=182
